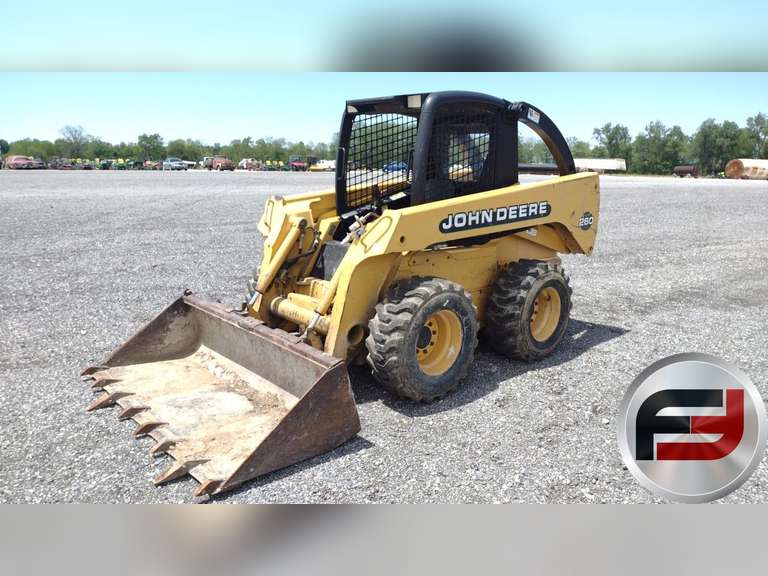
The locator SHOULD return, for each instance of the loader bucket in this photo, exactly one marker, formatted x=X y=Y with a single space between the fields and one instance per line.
x=227 y=397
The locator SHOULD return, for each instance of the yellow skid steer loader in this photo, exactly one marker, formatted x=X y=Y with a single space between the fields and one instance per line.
x=427 y=237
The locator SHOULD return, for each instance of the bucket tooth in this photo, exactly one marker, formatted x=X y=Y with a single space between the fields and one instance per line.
x=171 y=473
x=161 y=447
x=174 y=471
x=131 y=411
x=106 y=399
x=92 y=369
x=100 y=383
x=146 y=428
x=207 y=488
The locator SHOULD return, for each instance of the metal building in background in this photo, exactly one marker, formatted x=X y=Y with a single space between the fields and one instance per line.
x=600 y=165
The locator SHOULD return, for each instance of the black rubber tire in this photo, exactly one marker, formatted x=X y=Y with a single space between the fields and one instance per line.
x=394 y=331
x=510 y=305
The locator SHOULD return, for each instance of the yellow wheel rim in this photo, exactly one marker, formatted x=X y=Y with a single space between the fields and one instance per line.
x=439 y=342
x=546 y=314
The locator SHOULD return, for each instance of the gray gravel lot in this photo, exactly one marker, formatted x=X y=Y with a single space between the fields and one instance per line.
x=88 y=257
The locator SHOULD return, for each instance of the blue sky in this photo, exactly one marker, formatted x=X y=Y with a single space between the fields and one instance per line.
x=312 y=35
x=218 y=107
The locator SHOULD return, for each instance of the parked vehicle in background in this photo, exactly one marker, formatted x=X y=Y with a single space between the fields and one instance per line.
x=111 y=164
x=152 y=165
x=173 y=163
x=219 y=163
x=132 y=164
x=23 y=163
x=684 y=170
x=249 y=164
x=297 y=163
x=61 y=164
x=398 y=166
x=271 y=165
x=323 y=166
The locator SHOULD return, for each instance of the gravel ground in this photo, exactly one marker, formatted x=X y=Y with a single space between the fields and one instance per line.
x=87 y=258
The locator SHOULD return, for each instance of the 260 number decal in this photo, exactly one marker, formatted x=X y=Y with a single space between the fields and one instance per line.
x=585 y=222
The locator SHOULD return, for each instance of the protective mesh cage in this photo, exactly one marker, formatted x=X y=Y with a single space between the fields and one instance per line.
x=458 y=161
x=380 y=155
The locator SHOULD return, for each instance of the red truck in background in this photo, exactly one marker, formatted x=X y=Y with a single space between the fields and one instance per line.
x=219 y=163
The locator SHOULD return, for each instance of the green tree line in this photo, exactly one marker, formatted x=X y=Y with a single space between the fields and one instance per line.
x=659 y=148
x=655 y=150
x=75 y=142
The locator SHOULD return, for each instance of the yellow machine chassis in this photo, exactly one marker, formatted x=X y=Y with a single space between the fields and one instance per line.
x=227 y=397
x=407 y=242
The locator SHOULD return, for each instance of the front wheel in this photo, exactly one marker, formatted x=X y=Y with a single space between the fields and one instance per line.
x=528 y=310
x=422 y=338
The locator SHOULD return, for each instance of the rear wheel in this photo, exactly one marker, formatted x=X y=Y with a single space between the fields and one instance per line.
x=422 y=338
x=528 y=310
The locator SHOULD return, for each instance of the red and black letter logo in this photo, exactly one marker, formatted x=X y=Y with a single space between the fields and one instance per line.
x=649 y=423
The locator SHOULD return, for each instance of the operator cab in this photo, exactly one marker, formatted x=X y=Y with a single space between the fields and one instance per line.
x=413 y=149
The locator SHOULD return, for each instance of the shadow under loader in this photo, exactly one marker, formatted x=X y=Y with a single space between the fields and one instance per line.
x=579 y=338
